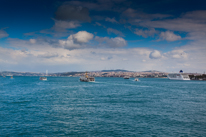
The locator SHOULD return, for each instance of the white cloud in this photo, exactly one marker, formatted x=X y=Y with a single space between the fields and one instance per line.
x=189 y=22
x=97 y=23
x=38 y=58
x=60 y=28
x=145 y=33
x=48 y=55
x=136 y=16
x=119 y=33
x=155 y=54
x=102 y=58
x=118 y=41
x=82 y=39
x=112 y=20
x=77 y=40
x=192 y=22
x=187 y=65
x=82 y=36
x=111 y=42
x=176 y=54
x=69 y=44
x=169 y=36
x=3 y=34
x=32 y=41
x=63 y=25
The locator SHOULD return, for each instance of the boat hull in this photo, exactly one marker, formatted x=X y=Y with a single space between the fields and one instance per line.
x=43 y=78
x=177 y=79
x=84 y=79
x=178 y=76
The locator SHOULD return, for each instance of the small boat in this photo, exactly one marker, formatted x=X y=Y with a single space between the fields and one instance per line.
x=126 y=77
x=136 y=79
x=86 y=78
x=11 y=77
x=43 y=78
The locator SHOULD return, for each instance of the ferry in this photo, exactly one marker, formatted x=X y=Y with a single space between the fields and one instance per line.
x=87 y=78
x=178 y=76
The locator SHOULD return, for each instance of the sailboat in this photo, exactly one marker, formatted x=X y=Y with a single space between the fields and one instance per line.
x=44 y=78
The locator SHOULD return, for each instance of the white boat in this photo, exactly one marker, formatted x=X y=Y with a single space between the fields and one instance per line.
x=126 y=77
x=136 y=79
x=178 y=76
x=43 y=78
x=87 y=78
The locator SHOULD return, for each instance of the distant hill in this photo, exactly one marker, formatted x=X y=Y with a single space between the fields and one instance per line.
x=116 y=70
x=68 y=73
x=151 y=71
x=8 y=73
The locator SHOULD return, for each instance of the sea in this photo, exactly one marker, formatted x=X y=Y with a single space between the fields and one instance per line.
x=108 y=107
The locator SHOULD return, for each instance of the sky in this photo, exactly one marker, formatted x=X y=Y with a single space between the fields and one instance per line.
x=92 y=35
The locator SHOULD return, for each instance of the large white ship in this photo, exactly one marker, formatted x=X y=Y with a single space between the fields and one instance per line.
x=178 y=76
x=86 y=78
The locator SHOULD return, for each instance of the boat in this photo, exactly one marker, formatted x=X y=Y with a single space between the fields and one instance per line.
x=178 y=76
x=126 y=77
x=87 y=78
x=12 y=77
x=43 y=78
x=136 y=79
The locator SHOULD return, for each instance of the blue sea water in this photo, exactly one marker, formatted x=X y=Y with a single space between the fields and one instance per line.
x=64 y=106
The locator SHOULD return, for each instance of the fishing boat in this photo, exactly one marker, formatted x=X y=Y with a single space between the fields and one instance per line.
x=126 y=77
x=87 y=78
x=178 y=76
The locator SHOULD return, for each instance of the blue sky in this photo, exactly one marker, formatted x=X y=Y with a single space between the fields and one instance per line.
x=59 y=35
